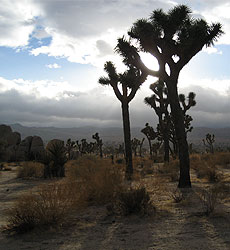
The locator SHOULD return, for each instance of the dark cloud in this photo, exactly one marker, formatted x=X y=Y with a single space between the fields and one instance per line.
x=90 y=18
x=212 y=109
x=104 y=48
x=97 y=108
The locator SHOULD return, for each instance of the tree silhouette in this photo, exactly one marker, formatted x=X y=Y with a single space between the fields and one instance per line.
x=209 y=141
x=159 y=102
x=166 y=129
x=130 y=82
x=70 y=146
x=136 y=143
x=173 y=38
x=99 y=143
x=151 y=135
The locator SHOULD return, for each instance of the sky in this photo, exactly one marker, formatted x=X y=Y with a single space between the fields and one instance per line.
x=52 y=54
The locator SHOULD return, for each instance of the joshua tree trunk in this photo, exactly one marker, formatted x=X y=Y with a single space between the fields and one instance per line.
x=165 y=139
x=127 y=138
x=178 y=119
x=166 y=149
x=150 y=149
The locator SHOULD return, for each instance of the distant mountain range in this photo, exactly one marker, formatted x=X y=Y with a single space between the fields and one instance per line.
x=115 y=135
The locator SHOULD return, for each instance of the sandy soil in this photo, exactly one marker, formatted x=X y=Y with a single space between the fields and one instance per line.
x=175 y=225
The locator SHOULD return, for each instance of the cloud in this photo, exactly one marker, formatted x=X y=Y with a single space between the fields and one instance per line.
x=87 y=31
x=53 y=66
x=98 y=106
x=41 y=88
x=17 y=22
x=212 y=50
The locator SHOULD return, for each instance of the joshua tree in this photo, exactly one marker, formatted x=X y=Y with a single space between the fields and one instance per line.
x=173 y=38
x=134 y=144
x=99 y=143
x=86 y=148
x=159 y=102
x=120 y=149
x=151 y=135
x=187 y=119
x=140 y=146
x=70 y=146
x=209 y=141
x=55 y=157
x=130 y=82
x=166 y=129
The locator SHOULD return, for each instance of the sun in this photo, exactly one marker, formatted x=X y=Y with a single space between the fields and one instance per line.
x=149 y=61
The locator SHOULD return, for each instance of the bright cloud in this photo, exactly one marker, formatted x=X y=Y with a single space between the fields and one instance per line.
x=53 y=66
x=42 y=88
x=17 y=22
x=212 y=50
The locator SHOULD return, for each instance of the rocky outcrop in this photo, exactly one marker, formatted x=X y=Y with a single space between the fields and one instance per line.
x=37 y=145
x=9 y=142
x=51 y=144
x=31 y=148
x=13 y=149
x=5 y=130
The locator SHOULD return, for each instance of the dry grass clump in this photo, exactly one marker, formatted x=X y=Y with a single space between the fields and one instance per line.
x=132 y=200
x=30 y=169
x=143 y=165
x=99 y=178
x=45 y=208
x=211 y=197
x=177 y=195
x=170 y=169
x=206 y=167
x=222 y=158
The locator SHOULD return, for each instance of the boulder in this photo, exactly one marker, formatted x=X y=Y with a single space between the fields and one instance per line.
x=53 y=142
x=37 y=147
x=24 y=149
x=13 y=138
x=9 y=143
x=31 y=148
x=5 y=130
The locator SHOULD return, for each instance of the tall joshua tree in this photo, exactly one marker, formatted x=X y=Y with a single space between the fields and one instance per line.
x=173 y=38
x=166 y=129
x=130 y=82
x=159 y=102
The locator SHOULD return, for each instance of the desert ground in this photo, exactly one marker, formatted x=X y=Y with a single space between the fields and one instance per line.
x=172 y=225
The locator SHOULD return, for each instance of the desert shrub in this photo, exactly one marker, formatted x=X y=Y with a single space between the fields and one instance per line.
x=7 y=168
x=120 y=161
x=210 y=198
x=206 y=167
x=212 y=175
x=177 y=195
x=195 y=161
x=132 y=201
x=222 y=158
x=171 y=169
x=30 y=169
x=48 y=207
x=99 y=178
x=145 y=165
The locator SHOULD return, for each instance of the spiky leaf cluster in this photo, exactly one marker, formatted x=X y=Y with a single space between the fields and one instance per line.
x=165 y=35
x=149 y=132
